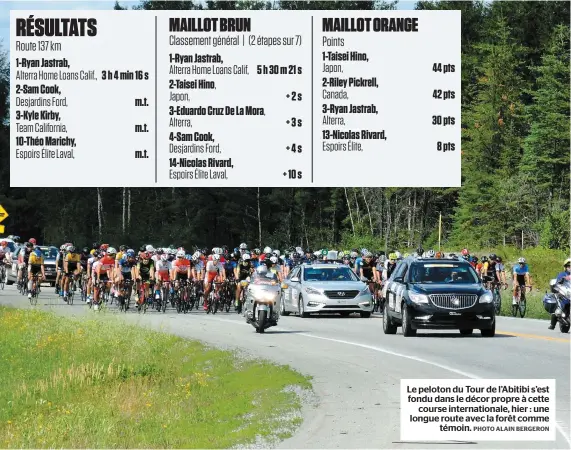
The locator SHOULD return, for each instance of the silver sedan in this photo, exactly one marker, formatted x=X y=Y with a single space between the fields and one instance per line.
x=325 y=288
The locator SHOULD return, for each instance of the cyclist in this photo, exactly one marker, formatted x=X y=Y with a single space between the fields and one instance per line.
x=162 y=274
x=105 y=269
x=71 y=267
x=242 y=271
x=145 y=272
x=23 y=258
x=500 y=272
x=126 y=270
x=521 y=277
x=35 y=266
x=368 y=270
x=181 y=269
x=5 y=260
x=214 y=271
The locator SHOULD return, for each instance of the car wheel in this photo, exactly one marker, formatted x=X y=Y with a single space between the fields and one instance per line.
x=365 y=314
x=388 y=326
x=466 y=332
x=407 y=329
x=301 y=307
x=489 y=332
x=283 y=311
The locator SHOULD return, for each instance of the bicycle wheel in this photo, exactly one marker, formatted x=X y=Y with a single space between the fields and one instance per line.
x=522 y=306
x=2 y=276
x=497 y=302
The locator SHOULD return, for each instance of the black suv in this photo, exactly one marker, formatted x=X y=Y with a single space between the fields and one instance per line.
x=430 y=293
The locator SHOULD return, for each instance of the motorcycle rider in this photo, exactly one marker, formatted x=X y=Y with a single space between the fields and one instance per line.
x=562 y=276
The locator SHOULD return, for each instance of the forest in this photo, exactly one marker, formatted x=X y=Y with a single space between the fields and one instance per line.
x=515 y=161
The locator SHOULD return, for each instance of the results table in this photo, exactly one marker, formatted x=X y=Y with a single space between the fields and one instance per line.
x=235 y=99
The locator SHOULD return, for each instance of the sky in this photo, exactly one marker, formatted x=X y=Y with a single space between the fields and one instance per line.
x=7 y=5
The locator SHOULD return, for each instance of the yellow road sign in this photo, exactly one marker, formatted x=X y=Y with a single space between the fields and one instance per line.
x=3 y=214
x=1 y=229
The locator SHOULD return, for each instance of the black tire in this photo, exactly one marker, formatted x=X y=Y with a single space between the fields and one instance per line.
x=522 y=307
x=563 y=328
x=466 y=331
x=261 y=320
x=489 y=332
x=365 y=314
x=301 y=308
x=388 y=326
x=514 y=310
x=407 y=329
x=283 y=311
x=497 y=302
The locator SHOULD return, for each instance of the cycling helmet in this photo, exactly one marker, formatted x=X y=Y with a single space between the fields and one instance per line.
x=493 y=257
x=149 y=248
x=131 y=253
x=274 y=259
x=452 y=255
x=398 y=254
x=419 y=251
x=243 y=246
x=85 y=250
x=111 y=251
x=123 y=248
x=180 y=254
x=71 y=249
x=382 y=258
x=16 y=239
x=277 y=253
x=216 y=257
x=62 y=247
x=521 y=261
x=499 y=259
x=262 y=269
x=393 y=256
x=465 y=252
x=3 y=243
x=245 y=257
x=38 y=252
x=32 y=241
x=164 y=257
x=484 y=259
x=341 y=255
x=567 y=262
x=368 y=254
x=267 y=250
x=256 y=251
x=474 y=259
x=431 y=253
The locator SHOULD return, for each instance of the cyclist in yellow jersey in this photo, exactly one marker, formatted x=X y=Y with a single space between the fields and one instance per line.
x=120 y=254
x=35 y=266
x=71 y=267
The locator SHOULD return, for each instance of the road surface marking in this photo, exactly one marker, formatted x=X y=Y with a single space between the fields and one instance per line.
x=533 y=336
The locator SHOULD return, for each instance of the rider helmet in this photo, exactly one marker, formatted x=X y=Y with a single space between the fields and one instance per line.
x=180 y=254
x=32 y=241
x=245 y=257
x=267 y=250
x=521 y=261
x=216 y=258
x=465 y=252
x=111 y=251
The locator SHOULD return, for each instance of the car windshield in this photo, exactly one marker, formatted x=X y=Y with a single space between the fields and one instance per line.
x=267 y=278
x=49 y=252
x=329 y=274
x=448 y=273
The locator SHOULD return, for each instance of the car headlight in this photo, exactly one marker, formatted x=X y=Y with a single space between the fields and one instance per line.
x=312 y=291
x=365 y=291
x=486 y=298
x=418 y=298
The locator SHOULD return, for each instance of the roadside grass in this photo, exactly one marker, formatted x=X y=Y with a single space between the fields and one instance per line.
x=102 y=384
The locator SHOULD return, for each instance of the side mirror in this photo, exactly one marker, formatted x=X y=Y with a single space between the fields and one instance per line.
x=553 y=282
x=284 y=286
x=398 y=280
x=295 y=280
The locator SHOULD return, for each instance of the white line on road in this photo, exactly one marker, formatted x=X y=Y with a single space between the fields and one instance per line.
x=401 y=355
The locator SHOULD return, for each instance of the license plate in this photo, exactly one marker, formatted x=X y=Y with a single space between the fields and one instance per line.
x=262 y=308
x=454 y=313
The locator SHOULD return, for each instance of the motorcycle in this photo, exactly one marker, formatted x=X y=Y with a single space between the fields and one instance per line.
x=262 y=305
x=557 y=303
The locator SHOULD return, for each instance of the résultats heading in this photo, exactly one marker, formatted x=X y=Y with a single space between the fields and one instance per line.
x=366 y=24
x=55 y=27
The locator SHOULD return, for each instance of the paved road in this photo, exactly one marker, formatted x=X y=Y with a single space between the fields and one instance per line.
x=357 y=369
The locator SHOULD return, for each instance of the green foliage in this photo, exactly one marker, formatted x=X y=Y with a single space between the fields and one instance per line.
x=515 y=161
